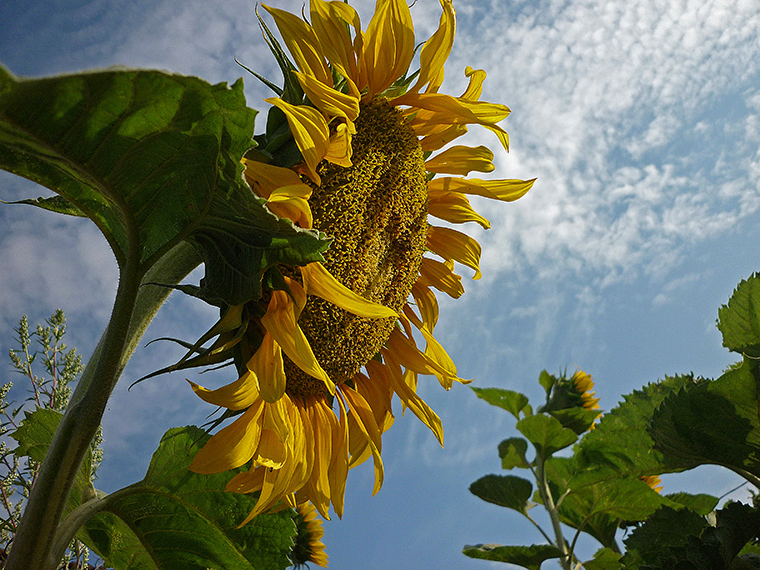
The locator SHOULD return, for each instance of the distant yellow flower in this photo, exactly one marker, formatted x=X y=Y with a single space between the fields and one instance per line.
x=653 y=481
x=322 y=354
x=308 y=545
x=583 y=385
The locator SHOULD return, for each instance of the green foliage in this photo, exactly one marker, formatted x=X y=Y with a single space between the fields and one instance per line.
x=546 y=433
x=48 y=394
x=509 y=400
x=153 y=159
x=676 y=424
x=739 y=320
x=529 y=557
x=504 y=490
x=176 y=519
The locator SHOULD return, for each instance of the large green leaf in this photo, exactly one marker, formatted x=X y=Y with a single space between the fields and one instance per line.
x=620 y=444
x=152 y=158
x=712 y=422
x=529 y=557
x=546 y=433
x=178 y=520
x=599 y=508
x=513 y=402
x=34 y=436
x=504 y=490
x=512 y=452
x=739 y=321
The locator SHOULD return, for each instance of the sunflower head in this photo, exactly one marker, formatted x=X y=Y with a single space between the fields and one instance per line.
x=654 y=482
x=308 y=545
x=571 y=400
x=358 y=148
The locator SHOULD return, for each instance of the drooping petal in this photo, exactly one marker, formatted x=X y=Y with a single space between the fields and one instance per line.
x=319 y=282
x=339 y=150
x=237 y=395
x=448 y=110
x=440 y=136
x=302 y=43
x=440 y=276
x=388 y=45
x=426 y=302
x=454 y=245
x=504 y=190
x=406 y=353
x=268 y=368
x=410 y=398
x=331 y=102
x=436 y=51
x=280 y=321
x=453 y=207
x=360 y=411
x=310 y=131
x=378 y=394
x=232 y=446
x=475 y=86
x=267 y=179
x=339 y=462
x=272 y=451
x=329 y=19
x=461 y=160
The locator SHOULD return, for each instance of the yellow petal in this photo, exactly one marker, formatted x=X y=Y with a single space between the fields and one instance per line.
x=410 y=398
x=232 y=446
x=475 y=87
x=440 y=136
x=448 y=110
x=388 y=45
x=436 y=51
x=454 y=245
x=302 y=43
x=406 y=353
x=441 y=277
x=310 y=131
x=237 y=395
x=267 y=366
x=378 y=394
x=338 y=472
x=360 y=411
x=505 y=190
x=339 y=150
x=331 y=102
x=319 y=282
x=280 y=321
x=461 y=160
x=268 y=180
x=453 y=207
x=426 y=302
x=296 y=210
x=329 y=19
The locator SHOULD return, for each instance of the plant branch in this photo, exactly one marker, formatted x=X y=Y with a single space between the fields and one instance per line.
x=134 y=307
x=546 y=496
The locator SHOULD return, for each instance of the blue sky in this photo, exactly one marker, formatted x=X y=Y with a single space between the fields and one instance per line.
x=641 y=121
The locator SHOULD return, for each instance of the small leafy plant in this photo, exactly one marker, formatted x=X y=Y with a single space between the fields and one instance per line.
x=608 y=480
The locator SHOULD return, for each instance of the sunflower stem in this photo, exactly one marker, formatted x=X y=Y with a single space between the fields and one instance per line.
x=38 y=540
x=548 y=499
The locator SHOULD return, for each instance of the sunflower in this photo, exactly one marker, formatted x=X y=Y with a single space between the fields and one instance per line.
x=348 y=150
x=654 y=482
x=308 y=545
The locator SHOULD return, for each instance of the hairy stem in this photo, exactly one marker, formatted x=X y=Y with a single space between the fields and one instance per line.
x=34 y=545
x=551 y=508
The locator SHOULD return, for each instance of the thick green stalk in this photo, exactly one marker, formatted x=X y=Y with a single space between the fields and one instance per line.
x=546 y=497
x=134 y=307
